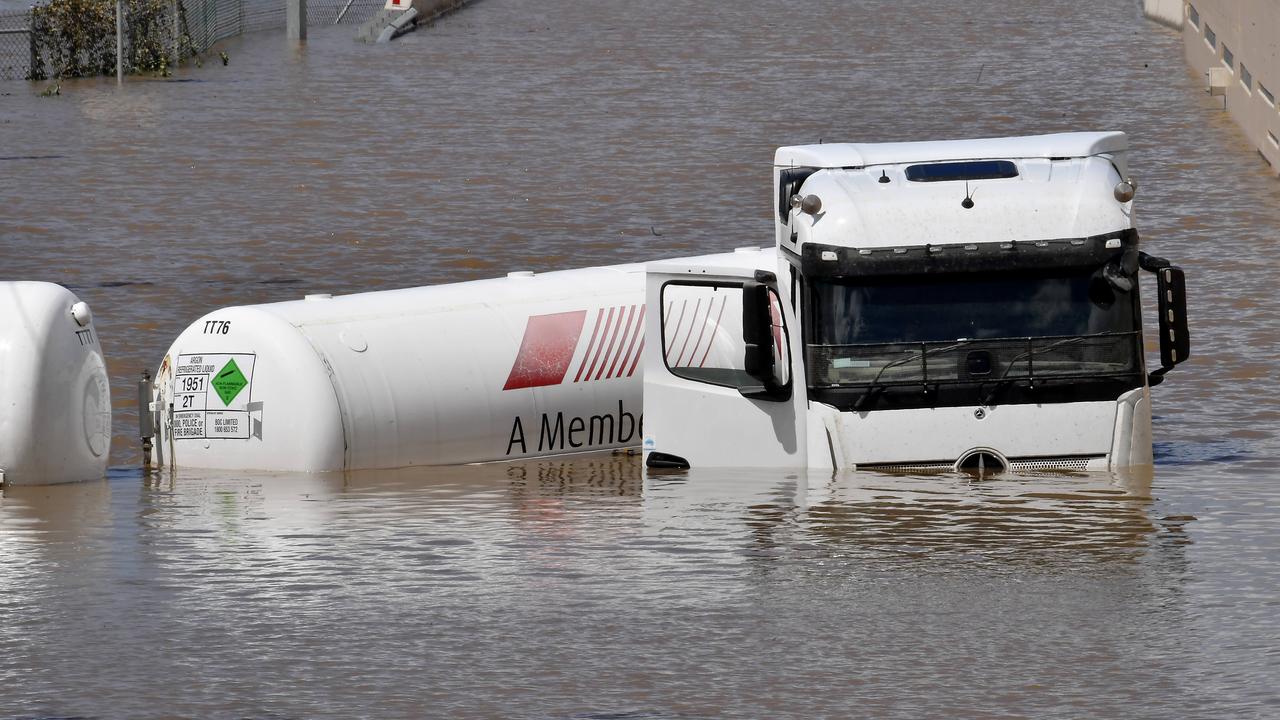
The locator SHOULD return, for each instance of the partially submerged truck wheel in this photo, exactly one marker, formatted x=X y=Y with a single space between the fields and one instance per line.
x=967 y=304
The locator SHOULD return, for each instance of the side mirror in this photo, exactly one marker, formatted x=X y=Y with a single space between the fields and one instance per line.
x=1175 y=339
x=1115 y=276
x=757 y=334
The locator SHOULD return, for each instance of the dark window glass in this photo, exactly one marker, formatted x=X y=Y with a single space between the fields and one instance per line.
x=702 y=334
x=877 y=331
x=975 y=170
x=924 y=309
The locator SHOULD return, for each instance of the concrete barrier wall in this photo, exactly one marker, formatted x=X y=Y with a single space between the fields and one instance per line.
x=1244 y=37
x=1166 y=12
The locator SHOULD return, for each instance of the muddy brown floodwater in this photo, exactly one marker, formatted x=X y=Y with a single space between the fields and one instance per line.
x=537 y=136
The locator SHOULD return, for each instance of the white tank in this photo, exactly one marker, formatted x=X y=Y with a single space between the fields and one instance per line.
x=520 y=366
x=55 y=398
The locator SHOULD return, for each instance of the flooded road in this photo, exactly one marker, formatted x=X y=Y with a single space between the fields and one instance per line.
x=515 y=137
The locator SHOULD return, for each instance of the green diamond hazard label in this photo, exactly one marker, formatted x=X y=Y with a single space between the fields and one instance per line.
x=211 y=397
x=229 y=382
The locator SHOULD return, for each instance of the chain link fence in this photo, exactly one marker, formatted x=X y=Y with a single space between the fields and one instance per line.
x=201 y=24
x=15 y=44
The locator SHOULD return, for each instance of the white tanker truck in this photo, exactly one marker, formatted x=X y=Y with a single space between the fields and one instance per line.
x=927 y=305
x=934 y=305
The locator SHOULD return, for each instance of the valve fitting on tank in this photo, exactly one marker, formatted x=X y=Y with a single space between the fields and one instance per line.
x=146 y=420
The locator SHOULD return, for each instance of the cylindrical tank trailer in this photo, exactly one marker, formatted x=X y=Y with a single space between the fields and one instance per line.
x=519 y=366
x=55 y=397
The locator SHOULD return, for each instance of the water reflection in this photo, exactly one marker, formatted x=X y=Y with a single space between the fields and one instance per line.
x=599 y=475
x=521 y=137
x=1010 y=518
x=943 y=518
x=484 y=579
x=51 y=513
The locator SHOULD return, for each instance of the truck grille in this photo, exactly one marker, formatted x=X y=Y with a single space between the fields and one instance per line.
x=1070 y=462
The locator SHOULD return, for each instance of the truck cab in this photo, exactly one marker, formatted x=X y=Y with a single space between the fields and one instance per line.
x=967 y=304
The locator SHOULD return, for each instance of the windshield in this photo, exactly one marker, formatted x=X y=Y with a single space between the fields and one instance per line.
x=951 y=308
x=971 y=329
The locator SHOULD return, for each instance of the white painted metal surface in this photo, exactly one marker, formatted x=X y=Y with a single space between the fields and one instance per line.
x=944 y=434
x=1064 y=188
x=55 y=398
x=709 y=424
x=520 y=366
x=1047 y=200
x=529 y=365
x=850 y=155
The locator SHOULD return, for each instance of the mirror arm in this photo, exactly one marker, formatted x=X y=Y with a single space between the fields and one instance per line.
x=1151 y=263
x=777 y=393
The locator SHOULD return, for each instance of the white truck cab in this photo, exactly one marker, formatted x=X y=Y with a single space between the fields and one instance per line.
x=929 y=305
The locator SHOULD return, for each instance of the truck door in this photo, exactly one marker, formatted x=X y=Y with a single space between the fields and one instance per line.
x=720 y=387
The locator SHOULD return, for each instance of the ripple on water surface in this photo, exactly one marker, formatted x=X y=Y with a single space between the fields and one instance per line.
x=512 y=136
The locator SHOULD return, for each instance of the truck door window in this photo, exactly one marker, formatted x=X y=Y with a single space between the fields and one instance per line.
x=702 y=334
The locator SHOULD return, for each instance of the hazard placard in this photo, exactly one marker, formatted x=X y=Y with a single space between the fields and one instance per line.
x=212 y=394
x=229 y=382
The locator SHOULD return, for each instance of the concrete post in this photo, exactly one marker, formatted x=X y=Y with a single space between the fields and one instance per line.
x=119 y=44
x=31 y=39
x=296 y=19
x=177 y=41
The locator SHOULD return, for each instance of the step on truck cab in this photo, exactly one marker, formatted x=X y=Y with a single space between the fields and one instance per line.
x=930 y=305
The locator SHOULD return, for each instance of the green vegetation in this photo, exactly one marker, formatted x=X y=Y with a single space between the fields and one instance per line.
x=77 y=38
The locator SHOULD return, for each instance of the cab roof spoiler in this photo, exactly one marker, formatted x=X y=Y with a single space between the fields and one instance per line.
x=858 y=155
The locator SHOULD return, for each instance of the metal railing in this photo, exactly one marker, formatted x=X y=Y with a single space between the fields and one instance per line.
x=981 y=360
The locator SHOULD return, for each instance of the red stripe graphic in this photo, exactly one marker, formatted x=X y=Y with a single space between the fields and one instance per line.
x=697 y=305
x=608 y=323
x=624 y=347
x=546 y=350
x=675 y=334
x=622 y=340
x=639 y=333
x=550 y=345
x=712 y=341
x=702 y=330
x=635 y=362
x=594 y=331
x=617 y=328
x=775 y=317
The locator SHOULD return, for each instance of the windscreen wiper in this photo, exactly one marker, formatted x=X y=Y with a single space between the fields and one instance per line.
x=1004 y=378
x=874 y=387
